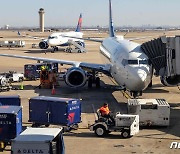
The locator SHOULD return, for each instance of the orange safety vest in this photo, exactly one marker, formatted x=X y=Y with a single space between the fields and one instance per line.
x=104 y=110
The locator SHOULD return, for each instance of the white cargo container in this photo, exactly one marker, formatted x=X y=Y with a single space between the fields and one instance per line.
x=155 y=112
x=10 y=44
x=39 y=140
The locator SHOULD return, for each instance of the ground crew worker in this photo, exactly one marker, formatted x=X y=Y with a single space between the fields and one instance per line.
x=105 y=112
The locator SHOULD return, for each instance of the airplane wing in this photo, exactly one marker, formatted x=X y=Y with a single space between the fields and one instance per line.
x=87 y=39
x=90 y=66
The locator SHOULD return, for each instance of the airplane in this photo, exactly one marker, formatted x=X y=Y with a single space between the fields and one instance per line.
x=124 y=61
x=57 y=39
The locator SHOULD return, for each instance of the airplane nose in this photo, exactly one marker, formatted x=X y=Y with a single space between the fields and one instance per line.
x=142 y=75
x=143 y=79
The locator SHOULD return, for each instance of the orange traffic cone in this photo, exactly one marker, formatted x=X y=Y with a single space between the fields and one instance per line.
x=53 y=92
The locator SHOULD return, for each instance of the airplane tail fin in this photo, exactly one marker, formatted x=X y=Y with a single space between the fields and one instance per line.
x=19 y=33
x=78 y=29
x=111 y=27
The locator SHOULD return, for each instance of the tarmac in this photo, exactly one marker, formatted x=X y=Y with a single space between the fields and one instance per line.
x=151 y=140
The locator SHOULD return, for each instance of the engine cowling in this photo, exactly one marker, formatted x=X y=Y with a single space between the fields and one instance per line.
x=75 y=77
x=81 y=44
x=170 y=81
x=43 y=45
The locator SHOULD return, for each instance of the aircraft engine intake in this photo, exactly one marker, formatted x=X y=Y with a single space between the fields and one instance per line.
x=75 y=77
x=81 y=44
x=43 y=45
x=170 y=81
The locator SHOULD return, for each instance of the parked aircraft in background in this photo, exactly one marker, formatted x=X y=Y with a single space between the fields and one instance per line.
x=124 y=61
x=57 y=39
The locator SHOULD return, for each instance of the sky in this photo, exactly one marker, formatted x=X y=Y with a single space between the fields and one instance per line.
x=95 y=12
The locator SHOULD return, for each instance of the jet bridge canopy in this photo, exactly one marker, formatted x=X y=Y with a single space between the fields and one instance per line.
x=164 y=54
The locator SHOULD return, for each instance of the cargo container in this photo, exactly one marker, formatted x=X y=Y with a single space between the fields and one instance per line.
x=14 y=100
x=32 y=71
x=10 y=124
x=54 y=110
x=155 y=112
x=39 y=140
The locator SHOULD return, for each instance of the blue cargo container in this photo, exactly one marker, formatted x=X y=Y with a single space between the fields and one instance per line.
x=54 y=110
x=10 y=122
x=10 y=100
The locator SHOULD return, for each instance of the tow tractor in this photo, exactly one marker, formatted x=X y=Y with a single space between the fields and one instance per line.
x=4 y=83
x=127 y=124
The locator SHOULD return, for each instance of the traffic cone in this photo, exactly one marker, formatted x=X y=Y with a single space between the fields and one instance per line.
x=53 y=92
x=21 y=86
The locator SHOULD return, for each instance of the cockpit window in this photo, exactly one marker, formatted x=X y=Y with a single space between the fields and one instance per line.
x=135 y=62
x=144 y=62
x=52 y=37
x=132 y=62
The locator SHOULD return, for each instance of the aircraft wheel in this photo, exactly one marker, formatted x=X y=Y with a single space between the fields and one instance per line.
x=97 y=82
x=90 y=82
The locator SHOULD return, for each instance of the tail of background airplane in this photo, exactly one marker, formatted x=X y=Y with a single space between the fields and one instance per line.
x=111 y=27
x=78 y=29
x=19 y=33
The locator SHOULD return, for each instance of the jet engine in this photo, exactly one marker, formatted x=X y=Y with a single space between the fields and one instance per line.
x=43 y=45
x=81 y=44
x=170 y=81
x=75 y=77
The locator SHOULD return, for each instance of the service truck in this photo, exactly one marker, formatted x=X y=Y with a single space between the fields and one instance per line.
x=39 y=140
x=10 y=44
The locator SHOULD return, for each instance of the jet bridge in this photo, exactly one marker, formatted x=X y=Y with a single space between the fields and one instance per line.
x=164 y=54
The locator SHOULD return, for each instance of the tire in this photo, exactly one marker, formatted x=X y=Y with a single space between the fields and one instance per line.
x=97 y=82
x=36 y=125
x=90 y=82
x=150 y=84
x=47 y=125
x=100 y=131
x=21 y=79
x=125 y=133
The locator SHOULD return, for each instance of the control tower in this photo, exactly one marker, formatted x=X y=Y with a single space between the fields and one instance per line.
x=41 y=19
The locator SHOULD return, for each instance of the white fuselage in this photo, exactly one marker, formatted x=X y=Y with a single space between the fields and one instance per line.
x=129 y=65
x=57 y=39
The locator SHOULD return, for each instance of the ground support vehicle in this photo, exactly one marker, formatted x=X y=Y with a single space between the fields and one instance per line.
x=32 y=71
x=10 y=124
x=4 y=83
x=13 y=76
x=39 y=140
x=128 y=125
x=11 y=44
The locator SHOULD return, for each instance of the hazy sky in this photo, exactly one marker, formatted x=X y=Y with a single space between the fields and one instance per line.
x=95 y=12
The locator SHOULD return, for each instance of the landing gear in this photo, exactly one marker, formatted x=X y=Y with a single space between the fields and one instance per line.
x=97 y=82
x=94 y=79
x=54 y=49
x=136 y=94
x=150 y=84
